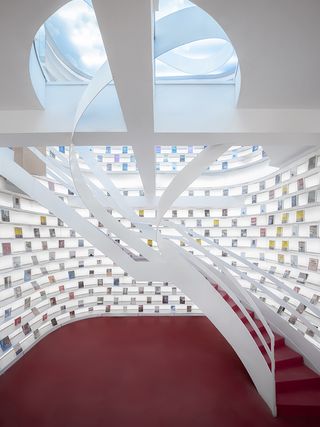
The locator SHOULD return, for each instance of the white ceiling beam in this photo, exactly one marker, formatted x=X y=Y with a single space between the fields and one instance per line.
x=126 y=27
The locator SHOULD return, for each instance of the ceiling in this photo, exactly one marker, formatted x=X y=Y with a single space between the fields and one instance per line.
x=278 y=105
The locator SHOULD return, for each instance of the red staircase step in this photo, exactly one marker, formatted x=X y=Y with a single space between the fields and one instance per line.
x=295 y=378
x=285 y=357
x=304 y=402
x=297 y=386
x=278 y=341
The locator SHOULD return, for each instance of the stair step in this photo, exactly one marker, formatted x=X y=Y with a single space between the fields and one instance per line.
x=296 y=378
x=259 y=325
x=304 y=402
x=278 y=341
x=285 y=357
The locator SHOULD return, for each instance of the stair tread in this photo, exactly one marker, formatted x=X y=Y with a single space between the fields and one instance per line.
x=285 y=352
x=292 y=373
x=302 y=397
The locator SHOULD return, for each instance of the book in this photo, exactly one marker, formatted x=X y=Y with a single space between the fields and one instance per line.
x=253 y=220
x=262 y=185
x=244 y=189
x=297 y=289
x=27 y=275
x=18 y=292
x=5 y=215
x=263 y=232
x=272 y=269
x=313 y=231
x=26 y=329
x=7 y=313
x=216 y=223
x=34 y=259
x=277 y=179
x=18 y=232
x=36 y=232
x=17 y=349
x=61 y=244
x=141 y=212
x=302 y=277
x=43 y=220
x=285 y=245
x=279 y=231
x=224 y=212
x=301 y=307
x=280 y=205
x=312 y=196
x=28 y=246
x=71 y=274
x=17 y=321
x=293 y=201
x=6 y=248
x=262 y=208
x=52 y=232
x=7 y=282
x=313 y=264
x=300 y=184
x=285 y=189
x=294 y=260
x=44 y=245
x=286 y=274
x=224 y=232
x=272 y=244
x=292 y=319
x=53 y=301
x=243 y=232
x=16 y=202
x=254 y=198
x=5 y=343
x=315 y=299
x=54 y=322
x=280 y=258
x=234 y=243
x=271 y=194
x=234 y=222
x=312 y=162
x=285 y=217
x=243 y=210
x=300 y=216
x=270 y=219
x=301 y=246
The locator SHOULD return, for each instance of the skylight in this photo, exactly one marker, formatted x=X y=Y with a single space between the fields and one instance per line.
x=189 y=44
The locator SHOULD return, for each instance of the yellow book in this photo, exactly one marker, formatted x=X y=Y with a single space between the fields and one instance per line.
x=285 y=245
x=300 y=216
x=279 y=231
x=150 y=243
x=18 y=232
x=280 y=258
x=284 y=189
x=141 y=212
x=272 y=244
x=216 y=223
x=199 y=241
x=182 y=243
x=285 y=218
x=43 y=220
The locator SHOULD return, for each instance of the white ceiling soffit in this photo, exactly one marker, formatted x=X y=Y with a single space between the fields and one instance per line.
x=277 y=44
x=19 y=22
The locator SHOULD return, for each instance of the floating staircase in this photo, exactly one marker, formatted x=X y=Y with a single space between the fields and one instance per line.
x=297 y=386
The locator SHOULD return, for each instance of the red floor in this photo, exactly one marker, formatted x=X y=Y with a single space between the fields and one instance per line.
x=137 y=371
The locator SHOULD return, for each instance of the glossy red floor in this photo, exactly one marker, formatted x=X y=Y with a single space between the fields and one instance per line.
x=140 y=371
